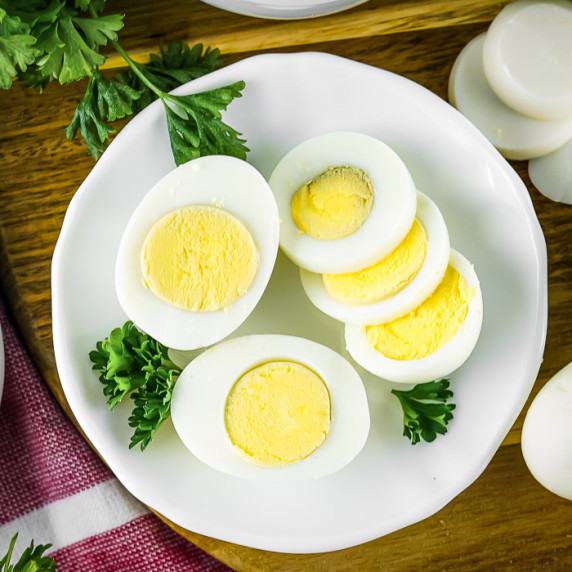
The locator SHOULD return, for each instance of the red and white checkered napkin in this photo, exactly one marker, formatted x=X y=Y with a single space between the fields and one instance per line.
x=55 y=490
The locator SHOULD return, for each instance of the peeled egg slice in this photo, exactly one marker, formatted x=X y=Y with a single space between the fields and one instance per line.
x=404 y=299
x=201 y=399
x=392 y=209
x=429 y=327
x=515 y=135
x=552 y=174
x=226 y=194
x=527 y=57
x=547 y=434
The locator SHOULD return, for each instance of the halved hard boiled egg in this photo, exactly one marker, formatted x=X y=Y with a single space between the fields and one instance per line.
x=433 y=339
x=345 y=200
x=274 y=407
x=198 y=251
x=393 y=285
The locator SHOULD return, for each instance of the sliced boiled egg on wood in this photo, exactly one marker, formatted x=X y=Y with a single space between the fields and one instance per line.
x=515 y=135
x=552 y=174
x=527 y=57
x=197 y=252
x=393 y=285
x=433 y=339
x=546 y=439
x=272 y=407
x=345 y=200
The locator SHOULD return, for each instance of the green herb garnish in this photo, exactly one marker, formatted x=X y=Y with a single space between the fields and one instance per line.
x=425 y=410
x=59 y=40
x=135 y=364
x=32 y=559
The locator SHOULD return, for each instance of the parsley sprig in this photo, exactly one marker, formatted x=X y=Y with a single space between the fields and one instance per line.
x=426 y=411
x=133 y=363
x=46 y=40
x=32 y=559
x=60 y=40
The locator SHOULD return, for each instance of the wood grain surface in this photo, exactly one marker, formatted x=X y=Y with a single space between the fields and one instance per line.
x=505 y=520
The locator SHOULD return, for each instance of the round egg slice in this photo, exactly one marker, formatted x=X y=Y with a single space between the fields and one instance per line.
x=345 y=201
x=527 y=57
x=552 y=174
x=198 y=251
x=393 y=286
x=515 y=135
x=546 y=439
x=432 y=340
x=272 y=407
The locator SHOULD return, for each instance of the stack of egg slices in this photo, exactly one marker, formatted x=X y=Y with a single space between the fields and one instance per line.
x=514 y=82
x=412 y=305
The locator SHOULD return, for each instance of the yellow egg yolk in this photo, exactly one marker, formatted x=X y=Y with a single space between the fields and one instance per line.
x=386 y=277
x=429 y=326
x=278 y=413
x=334 y=204
x=199 y=258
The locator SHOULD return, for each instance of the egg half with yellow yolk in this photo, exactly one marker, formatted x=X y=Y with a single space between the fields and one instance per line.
x=345 y=200
x=395 y=284
x=272 y=407
x=430 y=341
x=198 y=251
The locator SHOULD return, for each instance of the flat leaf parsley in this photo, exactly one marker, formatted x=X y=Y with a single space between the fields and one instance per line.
x=426 y=411
x=135 y=364
x=59 y=40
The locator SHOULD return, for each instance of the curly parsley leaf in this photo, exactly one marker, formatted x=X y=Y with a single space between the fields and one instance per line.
x=426 y=411
x=119 y=363
x=152 y=406
x=32 y=559
x=132 y=361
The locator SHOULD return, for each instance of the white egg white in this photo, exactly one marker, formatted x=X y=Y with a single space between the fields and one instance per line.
x=552 y=174
x=219 y=181
x=515 y=135
x=527 y=57
x=436 y=365
x=392 y=212
x=546 y=439
x=200 y=394
x=422 y=285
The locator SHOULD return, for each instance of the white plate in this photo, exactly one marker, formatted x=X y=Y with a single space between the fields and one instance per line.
x=284 y=9
x=391 y=484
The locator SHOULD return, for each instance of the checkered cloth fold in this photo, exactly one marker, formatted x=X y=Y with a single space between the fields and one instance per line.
x=55 y=490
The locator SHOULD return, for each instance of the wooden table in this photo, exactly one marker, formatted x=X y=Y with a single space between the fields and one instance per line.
x=505 y=520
